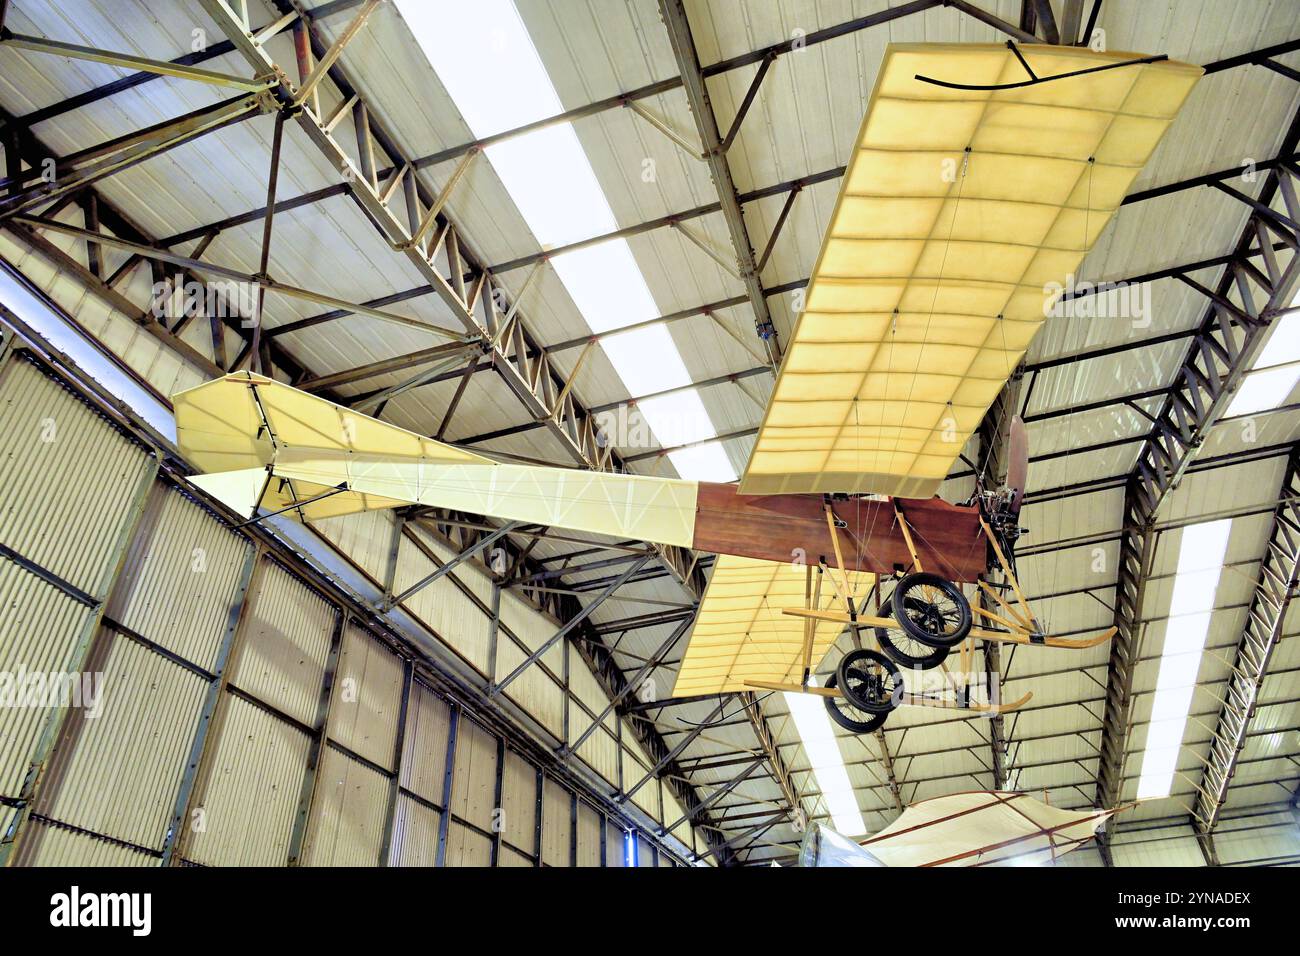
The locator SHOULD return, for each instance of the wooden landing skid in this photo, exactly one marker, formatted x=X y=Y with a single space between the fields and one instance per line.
x=1017 y=636
x=908 y=700
x=925 y=700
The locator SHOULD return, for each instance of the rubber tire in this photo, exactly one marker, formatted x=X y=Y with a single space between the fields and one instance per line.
x=928 y=579
x=851 y=658
x=847 y=722
x=900 y=656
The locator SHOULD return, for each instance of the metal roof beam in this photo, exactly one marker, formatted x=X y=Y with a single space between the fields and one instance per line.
x=786 y=188
x=780 y=772
x=534 y=382
x=678 y=26
x=1279 y=572
x=23 y=144
x=1222 y=352
x=538 y=385
x=47 y=181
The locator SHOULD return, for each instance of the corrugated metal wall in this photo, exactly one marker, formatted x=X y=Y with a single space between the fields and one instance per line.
x=245 y=806
x=281 y=655
x=367 y=698
x=119 y=773
x=74 y=487
x=474 y=781
x=245 y=719
x=424 y=761
x=590 y=828
x=415 y=833
x=557 y=825
x=181 y=578
x=519 y=804
x=38 y=632
x=1177 y=847
x=347 y=821
x=467 y=847
x=615 y=844
x=58 y=846
x=458 y=609
x=67 y=475
x=446 y=610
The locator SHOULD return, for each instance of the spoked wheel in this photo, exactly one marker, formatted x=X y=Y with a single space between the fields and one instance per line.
x=869 y=681
x=908 y=651
x=848 y=716
x=931 y=610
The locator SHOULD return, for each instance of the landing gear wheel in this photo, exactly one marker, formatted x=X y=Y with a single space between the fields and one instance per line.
x=843 y=713
x=869 y=681
x=931 y=610
x=910 y=652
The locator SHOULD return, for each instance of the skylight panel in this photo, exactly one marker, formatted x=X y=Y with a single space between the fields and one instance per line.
x=532 y=167
x=1275 y=372
x=1264 y=390
x=647 y=360
x=488 y=64
x=682 y=415
x=1200 y=564
x=823 y=750
x=486 y=61
x=704 y=463
x=606 y=284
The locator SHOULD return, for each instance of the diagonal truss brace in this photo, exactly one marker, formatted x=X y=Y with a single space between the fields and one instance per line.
x=532 y=378
x=1278 y=575
x=1242 y=309
x=673 y=13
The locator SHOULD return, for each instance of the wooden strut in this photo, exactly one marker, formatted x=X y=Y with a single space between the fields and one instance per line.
x=1021 y=626
x=984 y=634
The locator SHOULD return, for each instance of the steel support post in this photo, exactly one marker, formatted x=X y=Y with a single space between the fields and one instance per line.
x=181 y=811
x=498 y=811
x=399 y=748
x=444 y=818
x=317 y=745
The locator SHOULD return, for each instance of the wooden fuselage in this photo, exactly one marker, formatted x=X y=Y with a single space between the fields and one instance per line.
x=948 y=537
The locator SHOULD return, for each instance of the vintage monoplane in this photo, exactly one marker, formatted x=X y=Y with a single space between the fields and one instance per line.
x=963 y=207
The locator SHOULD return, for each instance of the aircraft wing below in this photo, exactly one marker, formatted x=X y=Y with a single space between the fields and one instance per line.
x=740 y=634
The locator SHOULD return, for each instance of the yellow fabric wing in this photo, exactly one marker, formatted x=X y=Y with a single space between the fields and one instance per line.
x=960 y=216
x=740 y=634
